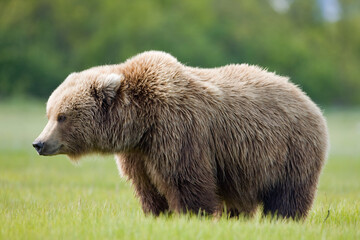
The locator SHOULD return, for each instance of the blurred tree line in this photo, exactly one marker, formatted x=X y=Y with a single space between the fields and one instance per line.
x=42 y=41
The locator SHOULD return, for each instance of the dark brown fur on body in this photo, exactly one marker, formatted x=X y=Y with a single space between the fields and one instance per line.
x=192 y=139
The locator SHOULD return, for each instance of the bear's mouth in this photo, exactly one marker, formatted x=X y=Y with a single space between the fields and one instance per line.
x=51 y=150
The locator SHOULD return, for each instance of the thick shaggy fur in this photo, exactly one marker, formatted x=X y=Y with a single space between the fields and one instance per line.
x=193 y=139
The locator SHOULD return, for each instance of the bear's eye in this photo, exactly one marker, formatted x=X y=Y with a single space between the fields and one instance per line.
x=61 y=118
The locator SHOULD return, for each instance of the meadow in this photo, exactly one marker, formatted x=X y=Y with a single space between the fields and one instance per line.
x=52 y=198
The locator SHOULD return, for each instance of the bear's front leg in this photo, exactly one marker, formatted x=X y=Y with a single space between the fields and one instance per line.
x=132 y=166
x=184 y=172
x=189 y=188
x=152 y=202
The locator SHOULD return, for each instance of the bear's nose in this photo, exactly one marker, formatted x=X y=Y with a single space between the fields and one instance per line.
x=38 y=146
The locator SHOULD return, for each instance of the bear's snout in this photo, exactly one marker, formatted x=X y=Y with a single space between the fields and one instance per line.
x=46 y=148
x=48 y=142
x=39 y=146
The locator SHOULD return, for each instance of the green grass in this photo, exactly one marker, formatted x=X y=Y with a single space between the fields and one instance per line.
x=51 y=198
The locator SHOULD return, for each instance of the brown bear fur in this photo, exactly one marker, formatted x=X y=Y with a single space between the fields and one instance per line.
x=192 y=139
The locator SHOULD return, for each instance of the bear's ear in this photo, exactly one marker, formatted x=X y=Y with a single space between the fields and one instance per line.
x=112 y=83
x=106 y=87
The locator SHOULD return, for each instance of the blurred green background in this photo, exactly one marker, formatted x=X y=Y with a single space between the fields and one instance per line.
x=315 y=42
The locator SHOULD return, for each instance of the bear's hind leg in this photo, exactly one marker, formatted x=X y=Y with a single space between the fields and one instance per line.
x=288 y=200
x=293 y=195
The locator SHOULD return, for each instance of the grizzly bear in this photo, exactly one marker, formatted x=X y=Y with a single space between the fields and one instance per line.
x=193 y=139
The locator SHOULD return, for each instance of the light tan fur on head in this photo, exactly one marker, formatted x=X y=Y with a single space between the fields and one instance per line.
x=77 y=100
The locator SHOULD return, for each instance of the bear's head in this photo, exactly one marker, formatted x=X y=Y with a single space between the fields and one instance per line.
x=78 y=115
